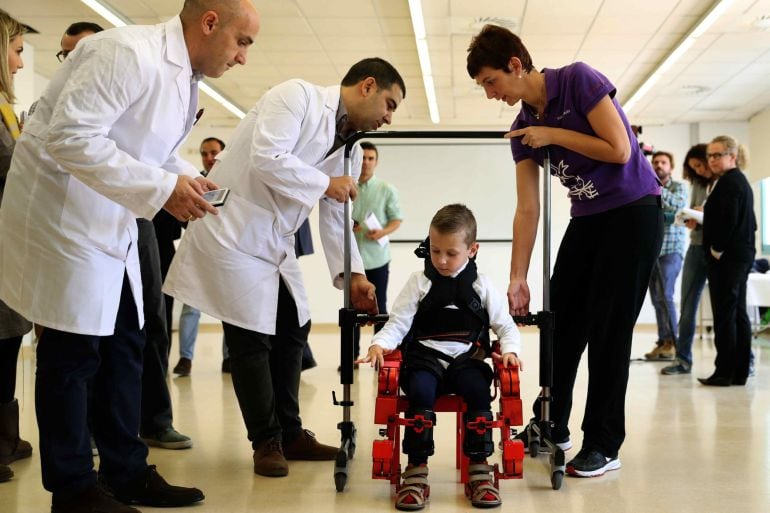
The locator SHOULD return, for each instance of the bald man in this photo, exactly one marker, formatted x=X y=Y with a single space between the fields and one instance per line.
x=100 y=152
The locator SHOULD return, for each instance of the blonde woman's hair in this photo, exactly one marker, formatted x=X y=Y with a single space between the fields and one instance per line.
x=9 y=28
x=734 y=147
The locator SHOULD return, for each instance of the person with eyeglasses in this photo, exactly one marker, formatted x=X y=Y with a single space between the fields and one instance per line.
x=73 y=34
x=729 y=227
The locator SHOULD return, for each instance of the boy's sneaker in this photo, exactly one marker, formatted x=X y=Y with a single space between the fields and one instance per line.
x=591 y=463
x=564 y=445
x=675 y=368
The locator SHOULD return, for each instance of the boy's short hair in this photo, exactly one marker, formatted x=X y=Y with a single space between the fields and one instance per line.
x=455 y=218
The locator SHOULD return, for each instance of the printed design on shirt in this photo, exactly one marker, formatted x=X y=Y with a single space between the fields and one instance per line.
x=578 y=187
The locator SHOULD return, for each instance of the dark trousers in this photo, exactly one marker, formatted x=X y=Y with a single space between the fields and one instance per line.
x=597 y=289
x=379 y=278
x=471 y=381
x=732 y=328
x=66 y=363
x=265 y=371
x=156 y=400
x=9 y=357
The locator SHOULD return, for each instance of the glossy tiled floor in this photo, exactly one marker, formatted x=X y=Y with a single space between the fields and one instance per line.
x=689 y=448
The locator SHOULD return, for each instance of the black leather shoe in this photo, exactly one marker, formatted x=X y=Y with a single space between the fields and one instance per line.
x=94 y=499
x=716 y=381
x=739 y=381
x=150 y=489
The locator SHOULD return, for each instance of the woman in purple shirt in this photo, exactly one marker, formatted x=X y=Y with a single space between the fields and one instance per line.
x=605 y=258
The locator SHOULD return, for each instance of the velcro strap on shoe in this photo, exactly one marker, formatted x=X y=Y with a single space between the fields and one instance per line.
x=414 y=480
x=415 y=472
x=479 y=477
x=480 y=468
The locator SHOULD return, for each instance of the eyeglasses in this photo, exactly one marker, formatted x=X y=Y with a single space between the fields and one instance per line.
x=62 y=55
x=717 y=155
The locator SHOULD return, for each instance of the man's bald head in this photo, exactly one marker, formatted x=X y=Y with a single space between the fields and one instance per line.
x=194 y=9
x=218 y=33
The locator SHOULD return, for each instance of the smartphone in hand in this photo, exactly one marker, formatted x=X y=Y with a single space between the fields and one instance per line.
x=217 y=197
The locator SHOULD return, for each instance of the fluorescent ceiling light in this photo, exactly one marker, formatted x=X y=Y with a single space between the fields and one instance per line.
x=117 y=19
x=108 y=13
x=224 y=102
x=717 y=10
x=418 y=25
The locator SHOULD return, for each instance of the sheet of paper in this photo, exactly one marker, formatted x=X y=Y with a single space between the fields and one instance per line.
x=372 y=223
x=689 y=213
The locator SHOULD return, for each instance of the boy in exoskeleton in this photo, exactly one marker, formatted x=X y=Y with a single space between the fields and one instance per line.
x=443 y=315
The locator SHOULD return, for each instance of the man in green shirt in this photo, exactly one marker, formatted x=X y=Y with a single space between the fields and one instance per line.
x=376 y=214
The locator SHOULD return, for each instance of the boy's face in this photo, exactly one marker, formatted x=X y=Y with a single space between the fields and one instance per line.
x=449 y=251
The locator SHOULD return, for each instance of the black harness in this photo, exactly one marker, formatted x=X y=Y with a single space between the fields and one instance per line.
x=467 y=321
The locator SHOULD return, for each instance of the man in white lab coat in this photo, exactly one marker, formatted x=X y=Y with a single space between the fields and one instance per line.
x=285 y=156
x=99 y=152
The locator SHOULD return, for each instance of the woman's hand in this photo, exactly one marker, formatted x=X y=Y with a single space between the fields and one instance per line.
x=518 y=297
x=533 y=136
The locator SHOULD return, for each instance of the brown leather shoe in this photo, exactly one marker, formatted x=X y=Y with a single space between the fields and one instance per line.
x=269 y=459
x=306 y=447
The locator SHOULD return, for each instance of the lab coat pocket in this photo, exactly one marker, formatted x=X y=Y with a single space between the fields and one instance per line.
x=90 y=217
x=248 y=228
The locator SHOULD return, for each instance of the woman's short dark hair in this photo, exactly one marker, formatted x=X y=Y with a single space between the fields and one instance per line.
x=493 y=47
x=381 y=70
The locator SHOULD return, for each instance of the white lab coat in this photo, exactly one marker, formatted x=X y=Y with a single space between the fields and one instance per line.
x=275 y=165
x=99 y=151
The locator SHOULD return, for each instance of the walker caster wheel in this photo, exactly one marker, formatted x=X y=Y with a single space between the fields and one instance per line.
x=340 y=480
x=556 y=478
x=534 y=448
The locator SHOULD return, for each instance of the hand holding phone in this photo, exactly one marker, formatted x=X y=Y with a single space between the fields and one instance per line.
x=217 y=197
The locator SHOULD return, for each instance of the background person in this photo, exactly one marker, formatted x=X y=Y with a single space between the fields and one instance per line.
x=285 y=156
x=73 y=266
x=728 y=241
x=572 y=113
x=668 y=265
x=378 y=198
x=13 y=326
x=696 y=171
x=189 y=319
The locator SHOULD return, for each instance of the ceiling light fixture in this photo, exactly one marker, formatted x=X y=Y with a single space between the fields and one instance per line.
x=219 y=98
x=117 y=19
x=108 y=13
x=418 y=25
x=717 y=10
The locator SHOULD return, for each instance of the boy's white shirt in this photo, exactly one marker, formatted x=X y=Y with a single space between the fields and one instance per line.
x=417 y=287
